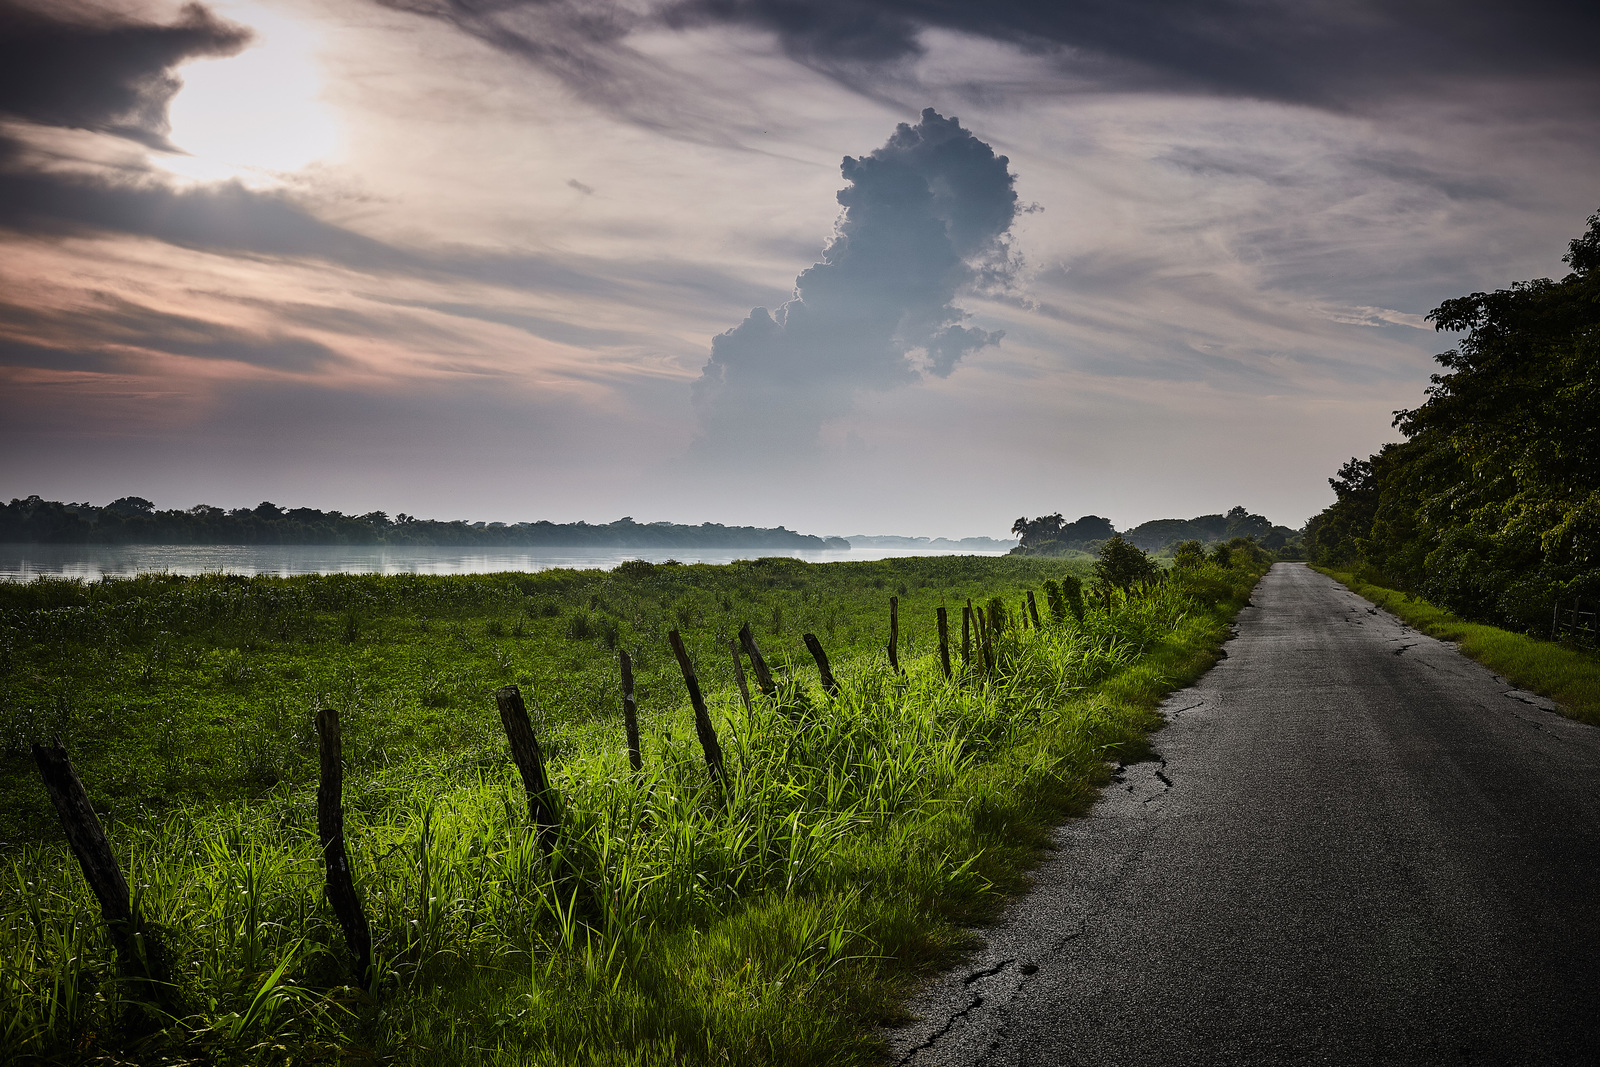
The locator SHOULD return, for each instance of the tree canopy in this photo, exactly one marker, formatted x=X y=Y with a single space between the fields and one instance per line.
x=1491 y=506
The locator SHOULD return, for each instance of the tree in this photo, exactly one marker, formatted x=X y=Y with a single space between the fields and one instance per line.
x=1037 y=531
x=131 y=505
x=1123 y=564
x=1491 y=507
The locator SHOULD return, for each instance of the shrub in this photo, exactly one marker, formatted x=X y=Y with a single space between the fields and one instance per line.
x=1122 y=564
x=1189 y=554
x=634 y=569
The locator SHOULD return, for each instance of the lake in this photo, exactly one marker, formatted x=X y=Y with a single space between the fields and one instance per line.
x=22 y=563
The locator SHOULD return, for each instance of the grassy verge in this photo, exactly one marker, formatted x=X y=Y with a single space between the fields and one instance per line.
x=773 y=919
x=1566 y=675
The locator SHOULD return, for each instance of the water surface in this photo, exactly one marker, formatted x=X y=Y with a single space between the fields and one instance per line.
x=21 y=563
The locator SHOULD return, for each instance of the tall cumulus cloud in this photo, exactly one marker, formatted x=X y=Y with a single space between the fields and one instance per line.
x=926 y=217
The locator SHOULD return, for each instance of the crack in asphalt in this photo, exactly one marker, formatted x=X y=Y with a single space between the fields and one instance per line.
x=955 y=1017
x=1026 y=969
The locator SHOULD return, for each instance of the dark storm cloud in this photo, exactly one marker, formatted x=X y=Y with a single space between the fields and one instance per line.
x=73 y=67
x=1327 y=54
x=100 y=337
x=925 y=217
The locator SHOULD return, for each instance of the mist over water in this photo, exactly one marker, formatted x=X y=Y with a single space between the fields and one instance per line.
x=22 y=563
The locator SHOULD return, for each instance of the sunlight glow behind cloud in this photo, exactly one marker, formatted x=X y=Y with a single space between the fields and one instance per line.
x=255 y=115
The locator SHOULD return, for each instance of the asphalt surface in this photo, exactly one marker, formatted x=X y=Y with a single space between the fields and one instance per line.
x=1357 y=847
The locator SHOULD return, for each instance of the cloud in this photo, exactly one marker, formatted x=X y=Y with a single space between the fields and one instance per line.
x=104 y=336
x=925 y=217
x=95 y=72
x=1340 y=56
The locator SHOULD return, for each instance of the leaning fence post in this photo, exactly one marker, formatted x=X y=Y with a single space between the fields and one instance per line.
x=339 y=883
x=944 y=642
x=894 y=634
x=702 y=719
x=1033 y=610
x=758 y=663
x=829 y=684
x=140 y=954
x=525 y=753
x=630 y=711
x=738 y=674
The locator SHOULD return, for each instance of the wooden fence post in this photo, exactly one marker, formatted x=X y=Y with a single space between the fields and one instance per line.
x=738 y=674
x=758 y=663
x=944 y=642
x=966 y=635
x=829 y=684
x=630 y=712
x=894 y=634
x=340 y=885
x=702 y=719
x=1033 y=610
x=985 y=635
x=140 y=954
x=525 y=753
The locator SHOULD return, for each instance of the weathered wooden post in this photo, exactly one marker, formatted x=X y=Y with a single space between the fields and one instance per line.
x=525 y=753
x=630 y=712
x=738 y=674
x=830 y=685
x=1033 y=610
x=986 y=640
x=339 y=883
x=758 y=663
x=944 y=642
x=966 y=635
x=894 y=634
x=140 y=954
x=702 y=719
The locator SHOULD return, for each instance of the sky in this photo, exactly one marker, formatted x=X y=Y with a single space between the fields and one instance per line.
x=847 y=266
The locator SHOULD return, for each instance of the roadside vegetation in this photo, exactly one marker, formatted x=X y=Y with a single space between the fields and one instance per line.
x=1570 y=676
x=1490 y=508
x=772 y=915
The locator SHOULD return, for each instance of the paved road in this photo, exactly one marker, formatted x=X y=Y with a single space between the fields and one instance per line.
x=1358 y=847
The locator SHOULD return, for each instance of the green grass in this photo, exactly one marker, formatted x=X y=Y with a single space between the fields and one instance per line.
x=1567 y=675
x=774 y=920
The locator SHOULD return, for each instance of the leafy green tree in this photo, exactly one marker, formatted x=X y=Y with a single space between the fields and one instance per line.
x=1491 y=507
x=1123 y=564
x=1031 y=532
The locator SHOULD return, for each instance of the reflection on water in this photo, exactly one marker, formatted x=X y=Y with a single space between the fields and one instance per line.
x=89 y=562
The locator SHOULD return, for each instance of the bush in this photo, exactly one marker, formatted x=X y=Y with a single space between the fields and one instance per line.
x=1190 y=554
x=1072 y=593
x=1123 y=564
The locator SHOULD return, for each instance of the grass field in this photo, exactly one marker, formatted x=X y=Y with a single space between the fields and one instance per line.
x=773 y=918
x=1567 y=675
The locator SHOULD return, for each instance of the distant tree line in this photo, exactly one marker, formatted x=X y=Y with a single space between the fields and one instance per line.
x=1050 y=534
x=135 y=520
x=1491 y=506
